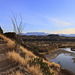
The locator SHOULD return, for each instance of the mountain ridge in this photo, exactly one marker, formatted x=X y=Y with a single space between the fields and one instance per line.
x=45 y=34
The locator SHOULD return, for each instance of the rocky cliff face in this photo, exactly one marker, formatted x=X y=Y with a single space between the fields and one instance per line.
x=1 y=31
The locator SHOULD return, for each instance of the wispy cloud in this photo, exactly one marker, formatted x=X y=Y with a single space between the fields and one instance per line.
x=62 y=31
x=66 y=31
x=60 y=23
x=42 y=20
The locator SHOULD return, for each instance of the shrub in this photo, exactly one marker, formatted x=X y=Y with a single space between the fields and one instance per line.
x=43 y=65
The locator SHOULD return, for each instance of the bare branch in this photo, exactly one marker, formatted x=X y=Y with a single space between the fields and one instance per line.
x=18 y=28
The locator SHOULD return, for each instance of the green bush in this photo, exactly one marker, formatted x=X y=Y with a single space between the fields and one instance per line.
x=43 y=65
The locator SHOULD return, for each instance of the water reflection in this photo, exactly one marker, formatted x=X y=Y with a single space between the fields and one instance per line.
x=54 y=54
x=66 y=59
x=73 y=60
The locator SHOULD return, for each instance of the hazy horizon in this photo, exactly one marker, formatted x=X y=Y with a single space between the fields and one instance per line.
x=49 y=16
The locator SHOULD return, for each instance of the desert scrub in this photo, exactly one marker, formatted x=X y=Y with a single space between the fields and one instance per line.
x=44 y=66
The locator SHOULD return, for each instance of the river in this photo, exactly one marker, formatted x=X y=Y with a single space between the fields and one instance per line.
x=64 y=57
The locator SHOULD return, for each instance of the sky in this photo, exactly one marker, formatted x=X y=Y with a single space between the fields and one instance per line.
x=49 y=16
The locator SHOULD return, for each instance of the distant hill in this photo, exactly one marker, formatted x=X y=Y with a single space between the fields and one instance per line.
x=35 y=33
x=67 y=35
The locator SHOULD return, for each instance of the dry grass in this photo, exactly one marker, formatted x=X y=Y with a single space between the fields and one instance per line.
x=10 y=43
x=16 y=57
x=35 y=70
x=29 y=54
x=17 y=73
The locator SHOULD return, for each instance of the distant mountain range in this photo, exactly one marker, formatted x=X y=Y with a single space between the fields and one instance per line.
x=44 y=34
x=35 y=33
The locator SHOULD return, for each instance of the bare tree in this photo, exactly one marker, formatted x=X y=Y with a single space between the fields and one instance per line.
x=18 y=28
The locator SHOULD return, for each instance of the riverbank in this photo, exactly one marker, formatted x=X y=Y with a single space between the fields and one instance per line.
x=61 y=56
x=55 y=53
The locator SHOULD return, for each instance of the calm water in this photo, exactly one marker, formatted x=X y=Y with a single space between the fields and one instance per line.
x=66 y=60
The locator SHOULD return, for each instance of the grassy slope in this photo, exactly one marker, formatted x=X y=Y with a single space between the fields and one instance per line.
x=24 y=57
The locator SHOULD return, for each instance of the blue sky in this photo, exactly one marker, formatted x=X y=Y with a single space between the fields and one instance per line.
x=50 y=16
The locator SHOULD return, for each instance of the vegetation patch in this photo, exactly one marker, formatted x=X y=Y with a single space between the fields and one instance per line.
x=44 y=66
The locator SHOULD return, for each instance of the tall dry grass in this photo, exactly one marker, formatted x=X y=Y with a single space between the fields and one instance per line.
x=16 y=57
x=17 y=73
x=35 y=70
x=29 y=53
